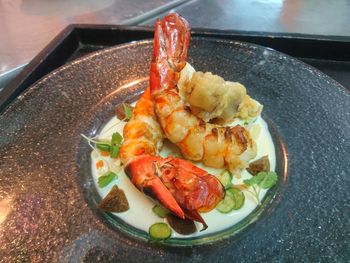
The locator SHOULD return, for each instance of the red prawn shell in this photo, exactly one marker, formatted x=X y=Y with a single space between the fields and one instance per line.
x=192 y=188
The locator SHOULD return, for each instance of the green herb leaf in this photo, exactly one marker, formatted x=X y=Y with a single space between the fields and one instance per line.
x=264 y=180
x=105 y=179
x=255 y=180
x=116 y=138
x=114 y=150
x=269 y=179
x=127 y=111
x=103 y=147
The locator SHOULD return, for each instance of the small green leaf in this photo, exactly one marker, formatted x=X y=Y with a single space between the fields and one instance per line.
x=255 y=180
x=269 y=179
x=103 y=147
x=263 y=180
x=114 y=150
x=127 y=111
x=105 y=179
x=116 y=138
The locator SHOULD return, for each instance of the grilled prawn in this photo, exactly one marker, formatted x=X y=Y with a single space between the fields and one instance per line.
x=214 y=145
x=179 y=185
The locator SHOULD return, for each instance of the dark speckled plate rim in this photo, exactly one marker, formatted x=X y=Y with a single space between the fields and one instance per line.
x=135 y=43
x=269 y=203
x=132 y=43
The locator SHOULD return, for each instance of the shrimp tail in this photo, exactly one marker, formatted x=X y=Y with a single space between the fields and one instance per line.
x=171 y=41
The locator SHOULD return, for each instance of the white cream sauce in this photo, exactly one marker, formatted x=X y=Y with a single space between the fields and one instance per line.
x=140 y=214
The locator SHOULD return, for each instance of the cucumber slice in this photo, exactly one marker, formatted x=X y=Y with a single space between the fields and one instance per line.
x=238 y=196
x=159 y=231
x=160 y=211
x=227 y=204
x=233 y=200
x=225 y=178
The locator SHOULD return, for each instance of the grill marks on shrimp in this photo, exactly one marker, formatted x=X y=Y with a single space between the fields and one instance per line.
x=215 y=145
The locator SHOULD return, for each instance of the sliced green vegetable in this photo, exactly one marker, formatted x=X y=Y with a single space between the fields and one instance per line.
x=116 y=139
x=114 y=150
x=103 y=147
x=233 y=200
x=238 y=196
x=269 y=179
x=225 y=178
x=159 y=231
x=160 y=211
x=105 y=179
x=226 y=205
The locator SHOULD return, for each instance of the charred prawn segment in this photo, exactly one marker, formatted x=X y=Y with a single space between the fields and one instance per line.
x=214 y=145
x=179 y=185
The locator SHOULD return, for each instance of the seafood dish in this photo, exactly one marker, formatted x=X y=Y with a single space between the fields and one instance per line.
x=192 y=156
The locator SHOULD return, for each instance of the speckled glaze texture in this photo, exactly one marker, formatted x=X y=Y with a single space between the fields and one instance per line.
x=47 y=209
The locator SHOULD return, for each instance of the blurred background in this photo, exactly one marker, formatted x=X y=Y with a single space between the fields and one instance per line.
x=27 y=26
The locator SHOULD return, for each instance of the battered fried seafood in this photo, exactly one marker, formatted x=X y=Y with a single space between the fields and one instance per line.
x=212 y=98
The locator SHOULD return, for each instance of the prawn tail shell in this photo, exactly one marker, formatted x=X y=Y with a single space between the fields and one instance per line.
x=141 y=172
x=171 y=41
x=215 y=188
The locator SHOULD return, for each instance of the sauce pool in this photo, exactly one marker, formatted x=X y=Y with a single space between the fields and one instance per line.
x=140 y=214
